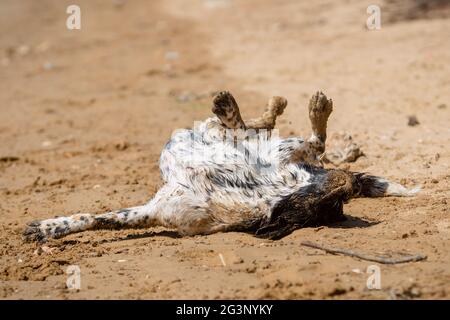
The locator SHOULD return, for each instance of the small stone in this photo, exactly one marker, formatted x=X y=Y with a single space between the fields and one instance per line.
x=48 y=66
x=413 y=121
x=23 y=50
x=172 y=55
x=48 y=250
x=415 y=292
x=337 y=292
x=122 y=145
x=251 y=269
x=46 y=144
x=44 y=249
x=42 y=47
x=187 y=97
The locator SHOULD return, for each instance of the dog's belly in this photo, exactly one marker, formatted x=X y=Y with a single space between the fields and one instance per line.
x=190 y=149
x=235 y=183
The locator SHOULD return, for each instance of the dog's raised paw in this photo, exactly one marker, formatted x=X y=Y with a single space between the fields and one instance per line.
x=320 y=107
x=224 y=104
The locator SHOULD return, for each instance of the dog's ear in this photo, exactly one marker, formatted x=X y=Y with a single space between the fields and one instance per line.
x=319 y=203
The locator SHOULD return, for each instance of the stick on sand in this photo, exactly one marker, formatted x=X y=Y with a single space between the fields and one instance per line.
x=362 y=256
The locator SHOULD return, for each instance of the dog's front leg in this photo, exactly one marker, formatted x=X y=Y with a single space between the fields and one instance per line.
x=226 y=109
x=296 y=150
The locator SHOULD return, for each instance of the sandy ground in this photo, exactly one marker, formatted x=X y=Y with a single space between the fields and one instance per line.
x=84 y=115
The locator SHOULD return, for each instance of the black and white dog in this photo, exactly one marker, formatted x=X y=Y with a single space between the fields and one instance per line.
x=229 y=175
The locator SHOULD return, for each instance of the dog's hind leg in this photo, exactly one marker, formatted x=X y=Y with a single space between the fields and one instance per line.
x=173 y=206
x=134 y=217
x=275 y=107
x=41 y=230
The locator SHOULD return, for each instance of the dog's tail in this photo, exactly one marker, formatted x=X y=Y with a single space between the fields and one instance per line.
x=371 y=186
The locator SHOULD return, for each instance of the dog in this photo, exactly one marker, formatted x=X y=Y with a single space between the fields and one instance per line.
x=229 y=175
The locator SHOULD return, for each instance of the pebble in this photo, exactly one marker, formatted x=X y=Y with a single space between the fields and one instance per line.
x=23 y=50
x=187 y=97
x=172 y=55
x=42 y=47
x=48 y=66
x=413 y=121
x=46 y=143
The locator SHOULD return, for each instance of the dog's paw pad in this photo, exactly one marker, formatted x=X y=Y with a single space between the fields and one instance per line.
x=320 y=107
x=224 y=104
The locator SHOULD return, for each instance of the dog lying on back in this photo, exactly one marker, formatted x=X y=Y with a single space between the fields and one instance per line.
x=229 y=175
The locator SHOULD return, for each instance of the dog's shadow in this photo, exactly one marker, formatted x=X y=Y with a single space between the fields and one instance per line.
x=131 y=236
x=150 y=234
x=353 y=222
x=350 y=222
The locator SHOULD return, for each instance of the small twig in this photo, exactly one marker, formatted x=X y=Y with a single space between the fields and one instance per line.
x=361 y=256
